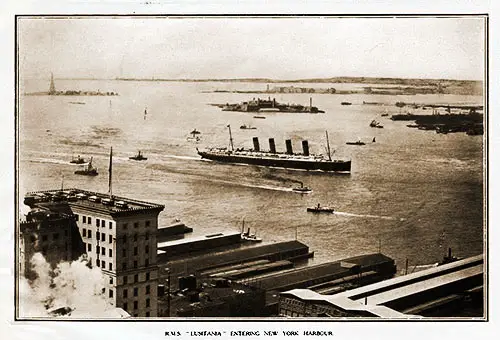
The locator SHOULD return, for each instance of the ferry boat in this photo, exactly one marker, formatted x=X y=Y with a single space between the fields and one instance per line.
x=320 y=209
x=288 y=160
x=356 y=143
x=247 y=127
x=77 y=160
x=87 y=170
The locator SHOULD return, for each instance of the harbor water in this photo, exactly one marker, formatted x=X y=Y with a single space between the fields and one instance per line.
x=412 y=194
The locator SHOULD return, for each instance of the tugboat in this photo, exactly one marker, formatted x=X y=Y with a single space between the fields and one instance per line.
x=77 y=160
x=346 y=103
x=302 y=189
x=320 y=209
x=138 y=157
x=195 y=132
x=88 y=170
x=246 y=236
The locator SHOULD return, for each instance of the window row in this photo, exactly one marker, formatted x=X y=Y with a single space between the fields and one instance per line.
x=135 y=264
x=98 y=222
x=136 y=278
x=135 y=251
x=136 y=306
x=102 y=264
x=135 y=237
x=147 y=224
x=110 y=292
x=55 y=237
x=100 y=250
x=136 y=291
x=99 y=236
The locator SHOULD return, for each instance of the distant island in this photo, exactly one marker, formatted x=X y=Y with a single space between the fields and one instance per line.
x=406 y=86
x=52 y=92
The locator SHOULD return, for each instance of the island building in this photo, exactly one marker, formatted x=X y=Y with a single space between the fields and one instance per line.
x=117 y=234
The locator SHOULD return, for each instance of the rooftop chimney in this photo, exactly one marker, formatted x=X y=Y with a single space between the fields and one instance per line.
x=289 y=149
x=272 y=146
x=256 y=146
x=305 y=147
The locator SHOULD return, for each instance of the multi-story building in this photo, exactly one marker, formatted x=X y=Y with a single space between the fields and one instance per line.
x=119 y=236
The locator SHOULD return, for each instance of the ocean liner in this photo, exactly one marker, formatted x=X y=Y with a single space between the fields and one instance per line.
x=289 y=160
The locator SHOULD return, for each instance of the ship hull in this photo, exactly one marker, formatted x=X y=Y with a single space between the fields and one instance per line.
x=323 y=165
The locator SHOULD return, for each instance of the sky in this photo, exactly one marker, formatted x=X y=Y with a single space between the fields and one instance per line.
x=231 y=47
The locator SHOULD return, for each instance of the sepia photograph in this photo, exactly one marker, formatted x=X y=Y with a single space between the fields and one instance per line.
x=251 y=167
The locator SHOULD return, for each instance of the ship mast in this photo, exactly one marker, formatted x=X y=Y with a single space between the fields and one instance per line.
x=328 y=146
x=110 y=189
x=230 y=138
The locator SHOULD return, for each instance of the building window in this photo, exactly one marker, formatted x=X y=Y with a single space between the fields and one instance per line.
x=135 y=264
x=124 y=265
x=89 y=234
x=90 y=220
x=135 y=250
x=136 y=225
x=136 y=278
x=125 y=225
x=111 y=253
x=44 y=237
x=84 y=219
x=125 y=293
x=124 y=252
x=147 y=236
x=146 y=263
x=103 y=237
x=136 y=291
x=147 y=303
x=89 y=247
x=97 y=222
x=125 y=306
x=103 y=264
x=97 y=249
x=147 y=314
x=147 y=249
x=55 y=236
x=148 y=223
x=148 y=290
x=111 y=293
x=135 y=237
x=65 y=232
x=147 y=276
x=136 y=306
x=110 y=266
x=110 y=280
x=77 y=217
x=97 y=263
x=136 y=315
x=110 y=238
x=97 y=235
x=125 y=279
x=104 y=290
x=84 y=232
x=124 y=238
x=110 y=225
x=103 y=251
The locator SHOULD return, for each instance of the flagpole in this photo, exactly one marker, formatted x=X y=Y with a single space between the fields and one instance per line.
x=110 y=184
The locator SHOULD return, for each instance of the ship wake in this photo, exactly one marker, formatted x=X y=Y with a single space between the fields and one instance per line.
x=369 y=216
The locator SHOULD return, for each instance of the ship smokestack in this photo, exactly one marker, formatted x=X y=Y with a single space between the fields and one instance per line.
x=305 y=147
x=310 y=102
x=256 y=146
x=289 y=149
x=272 y=146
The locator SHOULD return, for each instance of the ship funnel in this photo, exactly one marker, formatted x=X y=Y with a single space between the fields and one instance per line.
x=289 y=149
x=305 y=147
x=256 y=146
x=272 y=146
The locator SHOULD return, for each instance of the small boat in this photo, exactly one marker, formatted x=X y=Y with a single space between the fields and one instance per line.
x=356 y=143
x=376 y=124
x=87 y=170
x=247 y=127
x=384 y=115
x=302 y=189
x=195 y=132
x=259 y=117
x=77 y=160
x=138 y=157
x=320 y=209
x=345 y=103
